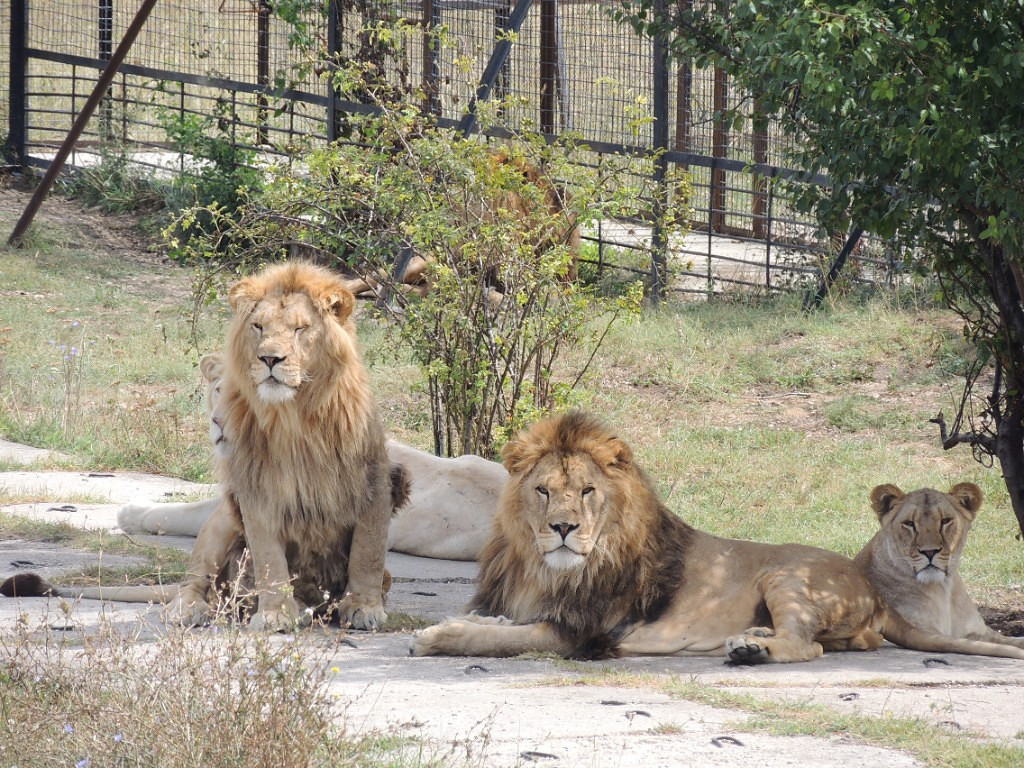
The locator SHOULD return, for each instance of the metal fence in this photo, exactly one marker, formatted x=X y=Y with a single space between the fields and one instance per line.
x=569 y=67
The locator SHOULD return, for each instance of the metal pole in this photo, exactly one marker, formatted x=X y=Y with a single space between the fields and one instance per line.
x=498 y=58
x=106 y=48
x=106 y=77
x=548 y=64
x=659 y=243
x=14 y=149
x=335 y=36
x=262 y=70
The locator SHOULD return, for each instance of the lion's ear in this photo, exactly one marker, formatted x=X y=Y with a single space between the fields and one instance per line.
x=243 y=296
x=883 y=497
x=212 y=366
x=623 y=454
x=516 y=455
x=338 y=302
x=968 y=496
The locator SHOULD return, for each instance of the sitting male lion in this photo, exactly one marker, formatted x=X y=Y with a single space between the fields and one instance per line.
x=308 y=484
x=584 y=560
x=913 y=562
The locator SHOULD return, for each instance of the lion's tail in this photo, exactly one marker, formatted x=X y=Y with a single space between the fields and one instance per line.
x=34 y=585
x=901 y=632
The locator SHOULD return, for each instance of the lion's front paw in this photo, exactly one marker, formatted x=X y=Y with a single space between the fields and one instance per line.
x=439 y=638
x=360 y=613
x=189 y=612
x=747 y=649
x=283 y=618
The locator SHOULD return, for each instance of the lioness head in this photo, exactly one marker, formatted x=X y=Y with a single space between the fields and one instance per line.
x=567 y=474
x=212 y=367
x=292 y=322
x=928 y=527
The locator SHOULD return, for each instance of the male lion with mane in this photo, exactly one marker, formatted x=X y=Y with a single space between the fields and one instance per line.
x=307 y=464
x=307 y=484
x=584 y=560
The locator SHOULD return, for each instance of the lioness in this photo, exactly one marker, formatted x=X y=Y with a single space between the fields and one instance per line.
x=584 y=560
x=913 y=562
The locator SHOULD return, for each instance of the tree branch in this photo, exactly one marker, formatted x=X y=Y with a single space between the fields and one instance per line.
x=985 y=442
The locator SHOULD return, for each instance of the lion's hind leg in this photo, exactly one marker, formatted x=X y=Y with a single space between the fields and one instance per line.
x=865 y=640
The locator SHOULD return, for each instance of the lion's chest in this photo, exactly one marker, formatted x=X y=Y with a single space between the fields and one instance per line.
x=310 y=487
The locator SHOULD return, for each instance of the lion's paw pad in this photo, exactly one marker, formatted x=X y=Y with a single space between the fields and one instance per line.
x=747 y=649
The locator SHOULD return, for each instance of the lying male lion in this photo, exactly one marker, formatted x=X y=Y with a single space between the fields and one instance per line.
x=584 y=560
x=913 y=562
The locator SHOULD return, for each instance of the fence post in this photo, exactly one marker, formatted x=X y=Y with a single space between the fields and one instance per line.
x=549 y=55
x=335 y=32
x=263 y=12
x=106 y=48
x=659 y=102
x=431 y=68
x=14 y=148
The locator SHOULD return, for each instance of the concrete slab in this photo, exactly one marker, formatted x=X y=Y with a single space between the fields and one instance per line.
x=101 y=487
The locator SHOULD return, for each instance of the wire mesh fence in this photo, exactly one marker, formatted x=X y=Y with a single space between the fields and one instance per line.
x=253 y=71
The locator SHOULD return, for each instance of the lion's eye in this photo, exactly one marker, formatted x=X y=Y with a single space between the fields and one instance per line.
x=542 y=491
x=588 y=490
x=909 y=525
x=300 y=329
x=257 y=327
x=947 y=521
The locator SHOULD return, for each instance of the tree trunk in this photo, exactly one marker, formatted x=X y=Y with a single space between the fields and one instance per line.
x=1009 y=415
x=1010 y=452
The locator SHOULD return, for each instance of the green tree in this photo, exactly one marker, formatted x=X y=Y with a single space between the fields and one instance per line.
x=913 y=109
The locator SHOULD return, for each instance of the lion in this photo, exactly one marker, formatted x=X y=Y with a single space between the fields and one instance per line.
x=306 y=475
x=585 y=561
x=447 y=516
x=446 y=511
x=531 y=197
x=913 y=562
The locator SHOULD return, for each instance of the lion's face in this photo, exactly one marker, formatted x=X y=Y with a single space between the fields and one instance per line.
x=292 y=325
x=565 y=507
x=212 y=368
x=927 y=527
x=284 y=334
x=567 y=481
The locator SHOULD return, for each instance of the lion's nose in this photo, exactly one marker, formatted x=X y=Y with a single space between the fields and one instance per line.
x=563 y=529
x=929 y=553
x=270 y=361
